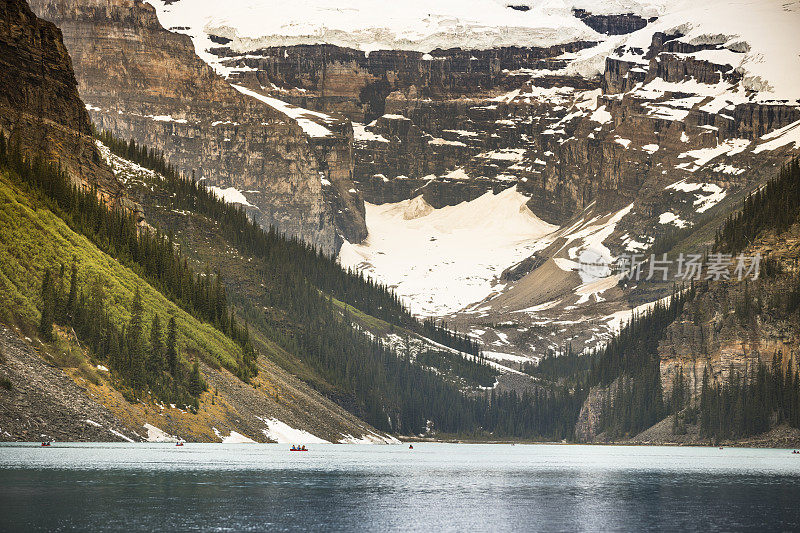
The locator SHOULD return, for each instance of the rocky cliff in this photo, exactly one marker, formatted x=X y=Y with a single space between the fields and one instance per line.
x=39 y=103
x=735 y=325
x=613 y=24
x=143 y=82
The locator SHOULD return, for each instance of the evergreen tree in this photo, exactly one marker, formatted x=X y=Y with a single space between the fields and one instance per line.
x=135 y=361
x=48 y=305
x=172 y=347
x=69 y=308
x=157 y=361
x=196 y=385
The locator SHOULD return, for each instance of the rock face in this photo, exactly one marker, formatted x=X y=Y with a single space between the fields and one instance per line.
x=453 y=124
x=331 y=78
x=714 y=334
x=143 y=82
x=39 y=103
x=43 y=403
x=612 y=24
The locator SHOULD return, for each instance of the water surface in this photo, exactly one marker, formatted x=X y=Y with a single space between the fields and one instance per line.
x=435 y=487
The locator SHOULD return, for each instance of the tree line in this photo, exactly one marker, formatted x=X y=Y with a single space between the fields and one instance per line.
x=749 y=403
x=149 y=253
x=775 y=206
x=279 y=251
x=140 y=362
x=628 y=367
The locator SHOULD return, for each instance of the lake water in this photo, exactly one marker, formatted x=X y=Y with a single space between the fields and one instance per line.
x=435 y=487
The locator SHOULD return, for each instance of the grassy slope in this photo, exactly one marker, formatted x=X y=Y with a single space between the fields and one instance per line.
x=34 y=238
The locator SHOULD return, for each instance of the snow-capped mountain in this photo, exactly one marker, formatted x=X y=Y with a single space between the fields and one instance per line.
x=753 y=35
x=368 y=25
x=497 y=145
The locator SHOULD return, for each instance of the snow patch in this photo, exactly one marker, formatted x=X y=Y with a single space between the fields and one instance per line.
x=440 y=260
x=307 y=119
x=285 y=434
x=781 y=137
x=155 y=434
x=234 y=438
x=230 y=195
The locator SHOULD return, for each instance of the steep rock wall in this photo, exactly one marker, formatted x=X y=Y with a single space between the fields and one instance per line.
x=143 y=82
x=39 y=103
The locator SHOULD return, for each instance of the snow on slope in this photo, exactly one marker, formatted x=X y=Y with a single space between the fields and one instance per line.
x=283 y=433
x=759 y=38
x=311 y=121
x=440 y=260
x=379 y=24
x=231 y=195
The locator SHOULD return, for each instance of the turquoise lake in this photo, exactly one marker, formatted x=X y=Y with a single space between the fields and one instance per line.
x=435 y=487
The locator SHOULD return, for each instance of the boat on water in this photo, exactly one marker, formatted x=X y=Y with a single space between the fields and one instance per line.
x=179 y=443
x=46 y=443
x=298 y=448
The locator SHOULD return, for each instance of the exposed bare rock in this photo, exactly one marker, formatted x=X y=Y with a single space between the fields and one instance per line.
x=39 y=104
x=143 y=82
x=715 y=335
x=41 y=402
x=618 y=24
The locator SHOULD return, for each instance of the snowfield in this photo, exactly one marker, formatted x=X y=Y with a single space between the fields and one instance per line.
x=307 y=119
x=374 y=24
x=230 y=195
x=440 y=260
x=752 y=36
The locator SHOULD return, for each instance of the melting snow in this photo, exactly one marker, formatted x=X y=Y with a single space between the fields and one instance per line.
x=155 y=434
x=440 y=260
x=704 y=155
x=285 y=434
x=601 y=115
x=671 y=218
x=230 y=195
x=234 y=438
x=360 y=133
x=307 y=119
x=714 y=195
x=650 y=148
x=623 y=142
x=778 y=138
x=368 y=438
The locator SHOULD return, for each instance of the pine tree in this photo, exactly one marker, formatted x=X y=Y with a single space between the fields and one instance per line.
x=135 y=349
x=196 y=385
x=156 y=360
x=69 y=308
x=48 y=305
x=172 y=347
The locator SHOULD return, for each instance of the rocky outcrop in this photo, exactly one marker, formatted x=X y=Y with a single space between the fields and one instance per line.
x=39 y=103
x=143 y=82
x=40 y=402
x=612 y=24
x=588 y=424
x=735 y=325
x=330 y=78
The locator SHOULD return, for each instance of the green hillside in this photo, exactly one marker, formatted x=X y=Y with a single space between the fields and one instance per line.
x=35 y=240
